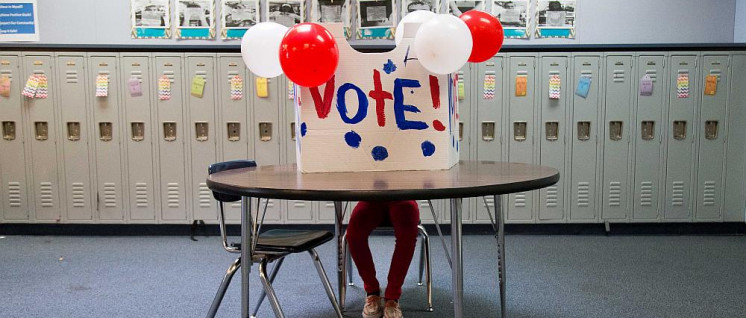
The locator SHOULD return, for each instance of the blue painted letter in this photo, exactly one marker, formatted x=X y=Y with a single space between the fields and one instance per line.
x=362 y=100
x=400 y=107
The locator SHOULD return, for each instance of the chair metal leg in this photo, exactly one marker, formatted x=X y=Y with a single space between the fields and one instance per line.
x=421 y=229
x=348 y=268
x=269 y=290
x=272 y=275
x=325 y=282
x=223 y=287
x=429 y=277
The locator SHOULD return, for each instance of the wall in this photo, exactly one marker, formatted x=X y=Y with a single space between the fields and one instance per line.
x=739 y=29
x=102 y=22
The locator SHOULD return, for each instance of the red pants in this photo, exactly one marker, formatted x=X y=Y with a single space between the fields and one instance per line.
x=404 y=216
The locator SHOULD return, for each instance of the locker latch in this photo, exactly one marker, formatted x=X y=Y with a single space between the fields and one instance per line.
x=9 y=130
x=265 y=131
x=169 y=131
x=73 y=131
x=234 y=131
x=41 y=128
x=460 y=131
x=584 y=130
x=679 y=129
x=552 y=130
x=138 y=131
x=292 y=131
x=488 y=130
x=711 y=129
x=105 y=131
x=615 y=130
x=201 y=130
x=647 y=130
x=519 y=130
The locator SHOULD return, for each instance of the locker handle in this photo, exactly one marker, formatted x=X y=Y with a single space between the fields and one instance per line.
x=169 y=131
x=138 y=131
x=41 y=129
x=679 y=129
x=234 y=131
x=460 y=131
x=201 y=131
x=488 y=130
x=265 y=131
x=292 y=131
x=584 y=130
x=105 y=131
x=711 y=129
x=9 y=130
x=615 y=130
x=647 y=130
x=73 y=131
x=519 y=131
x=552 y=130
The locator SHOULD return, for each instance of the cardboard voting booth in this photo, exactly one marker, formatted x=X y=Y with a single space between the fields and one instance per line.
x=379 y=112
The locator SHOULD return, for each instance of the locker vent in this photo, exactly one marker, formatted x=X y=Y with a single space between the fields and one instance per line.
x=270 y=204
x=71 y=76
x=7 y=73
x=137 y=75
x=173 y=195
x=583 y=194
x=717 y=72
x=520 y=200
x=619 y=76
x=709 y=194
x=551 y=201
x=423 y=204
x=78 y=195
x=299 y=204
x=329 y=205
x=490 y=201
x=205 y=196
x=14 y=194
x=236 y=205
x=677 y=193
x=615 y=193
x=653 y=74
x=202 y=74
x=587 y=73
x=141 y=195
x=170 y=75
x=646 y=193
x=45 y=191
x=231 y=74
x=110 y=195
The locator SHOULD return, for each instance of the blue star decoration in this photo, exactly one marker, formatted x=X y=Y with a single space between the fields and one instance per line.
x=389 y=67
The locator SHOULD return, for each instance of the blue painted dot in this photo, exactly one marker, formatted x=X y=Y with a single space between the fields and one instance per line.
x=352 y=139
x=379 y=153
x=303 y=129
x=428 y=149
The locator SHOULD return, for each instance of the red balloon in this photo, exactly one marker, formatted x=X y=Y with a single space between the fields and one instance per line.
x=309 y=54
x=486 y=33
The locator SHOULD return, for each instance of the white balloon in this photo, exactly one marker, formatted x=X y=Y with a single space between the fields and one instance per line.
x=418 y=16
x=443 y=44
x=260 y=48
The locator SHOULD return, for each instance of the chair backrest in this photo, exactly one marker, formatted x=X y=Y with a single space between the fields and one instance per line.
x=228 y=165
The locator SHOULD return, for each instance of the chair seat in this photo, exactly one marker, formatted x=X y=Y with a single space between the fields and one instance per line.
x=291 y=241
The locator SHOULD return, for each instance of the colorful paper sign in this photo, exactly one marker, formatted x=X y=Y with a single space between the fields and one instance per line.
x=521 y=82
x=102 y=85
x=5 y=86
x=584 y=86
x=236 y=88
x=489 y=85
x=198 y=86
x=461 y=88
x=682 y=85
x=555 y=85
x=291 y=90
x=711 y=84
x=164 y=88
x=135 y=88
x=32 y=85
x=42 y=91
x=646 y=85
x=261 y=87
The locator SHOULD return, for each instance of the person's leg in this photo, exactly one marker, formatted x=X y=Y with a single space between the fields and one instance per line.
x=404 y=216
x=366 y=216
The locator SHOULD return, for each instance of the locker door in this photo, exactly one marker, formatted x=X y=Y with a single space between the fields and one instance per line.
x=648 y=140
x=584 y=139
x=521 y=121
x=233 y=128
x=552 y=138
x=13 y=161
x=711 y=134
x=108 y=139
x=41 y=135
x=139 y=136
x=679 y=141
x=265 y=130
x=296 y=211
x=171 y=137
x=325 y=211
x=488 y=121
x=76 y=142
x=618 y=108
x=465 y=90
x=734 y=204
x=202 y=134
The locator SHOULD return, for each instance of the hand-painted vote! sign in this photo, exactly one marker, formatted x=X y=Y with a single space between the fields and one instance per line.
x=380 y=111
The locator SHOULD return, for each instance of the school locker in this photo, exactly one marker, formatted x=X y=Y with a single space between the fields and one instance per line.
x=200 y=107
x=616 y=137
x=583 y=137
x=552 y=139
x=172 y=133
x=521 y=115
x=13 y=158
x=296 y=211
x=734 y=204
x=111 y=190
x=234 y=96
x=680 y=152
x=711 y=137
x=137 y=93
x=42 y=131
x=489 y=123
x=265 y=131
x=76 y=125
x=648 y=164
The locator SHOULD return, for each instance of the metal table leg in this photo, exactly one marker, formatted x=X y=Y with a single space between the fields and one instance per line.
x=338 y=220
x=246 y=233
x=500 y=253
x=457 y=271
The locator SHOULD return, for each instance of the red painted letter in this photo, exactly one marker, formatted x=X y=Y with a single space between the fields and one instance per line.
x=435 y=91
x=380 y=96
x=323 y=106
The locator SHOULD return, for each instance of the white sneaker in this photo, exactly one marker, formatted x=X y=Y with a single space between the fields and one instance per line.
x=392 y=310
x=373 y=308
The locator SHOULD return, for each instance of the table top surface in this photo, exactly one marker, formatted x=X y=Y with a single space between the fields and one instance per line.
x=465 y=179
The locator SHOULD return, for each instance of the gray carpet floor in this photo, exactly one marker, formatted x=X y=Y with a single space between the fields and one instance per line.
x=548 y=276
